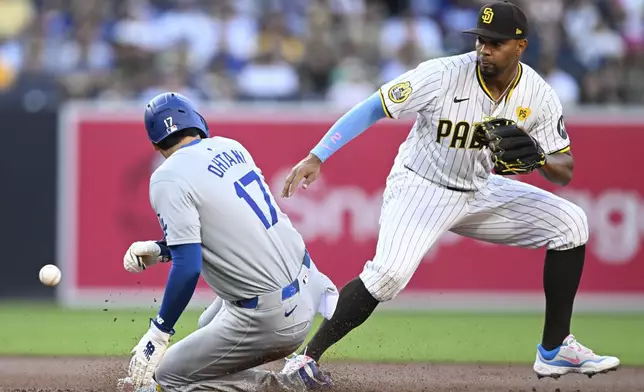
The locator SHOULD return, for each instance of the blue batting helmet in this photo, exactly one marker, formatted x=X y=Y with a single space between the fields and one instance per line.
x=170 y=112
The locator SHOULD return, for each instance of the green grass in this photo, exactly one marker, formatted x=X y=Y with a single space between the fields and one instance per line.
x=27 y=329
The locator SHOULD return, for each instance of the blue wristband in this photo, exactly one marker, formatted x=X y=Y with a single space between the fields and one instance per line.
x=166 y=256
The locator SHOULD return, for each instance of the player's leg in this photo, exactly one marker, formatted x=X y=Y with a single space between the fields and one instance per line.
x=518 y=214
x=206 y=317
x=223 y=354
x=209 y=314
x=414 y=215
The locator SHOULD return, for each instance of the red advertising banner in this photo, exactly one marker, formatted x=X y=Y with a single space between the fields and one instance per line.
x=106 y=162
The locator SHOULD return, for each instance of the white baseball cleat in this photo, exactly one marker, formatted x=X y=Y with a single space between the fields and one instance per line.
x=308 y=370
x=125 y=385
x=572 y=357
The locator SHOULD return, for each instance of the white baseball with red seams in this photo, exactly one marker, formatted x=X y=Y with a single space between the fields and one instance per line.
x=50 y=275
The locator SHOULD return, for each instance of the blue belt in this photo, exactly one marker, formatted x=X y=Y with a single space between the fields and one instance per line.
x=287 y=292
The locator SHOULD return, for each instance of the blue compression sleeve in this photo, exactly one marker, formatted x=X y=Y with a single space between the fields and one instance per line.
x=182 y=281
x=352 y=124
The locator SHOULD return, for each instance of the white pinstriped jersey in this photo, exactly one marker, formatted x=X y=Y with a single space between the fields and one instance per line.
x=449 y=97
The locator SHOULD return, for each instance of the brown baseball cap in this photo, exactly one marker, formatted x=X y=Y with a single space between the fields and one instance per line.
x=501 y=20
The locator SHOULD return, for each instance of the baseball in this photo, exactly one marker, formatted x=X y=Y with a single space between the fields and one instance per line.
x=50 y=275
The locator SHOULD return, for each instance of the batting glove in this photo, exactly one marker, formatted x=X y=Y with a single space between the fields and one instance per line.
x=141 y=255
x=146 y=356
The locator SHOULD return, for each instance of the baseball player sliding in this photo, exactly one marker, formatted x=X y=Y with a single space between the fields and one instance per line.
x=220 y=221
x=476 y=113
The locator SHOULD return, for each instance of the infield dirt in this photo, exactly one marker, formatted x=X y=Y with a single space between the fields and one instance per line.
x=101 y=374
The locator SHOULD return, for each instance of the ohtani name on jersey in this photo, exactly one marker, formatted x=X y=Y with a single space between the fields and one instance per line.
x=458 y=135
x=221 y=162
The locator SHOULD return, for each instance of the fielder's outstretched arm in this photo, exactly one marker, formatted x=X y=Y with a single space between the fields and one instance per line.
x=349 y=126
x=409 y=93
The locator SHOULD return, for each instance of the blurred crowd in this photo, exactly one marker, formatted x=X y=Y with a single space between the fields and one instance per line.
x=336 y=51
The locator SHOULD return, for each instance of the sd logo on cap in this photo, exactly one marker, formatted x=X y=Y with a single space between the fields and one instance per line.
x=502 y=20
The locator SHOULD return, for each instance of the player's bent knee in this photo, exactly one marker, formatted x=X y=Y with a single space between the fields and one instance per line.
x=386 y=285
x=163 y=378
x=169 y=377
x=575 y=232
x=204 y=319
x=209 y=314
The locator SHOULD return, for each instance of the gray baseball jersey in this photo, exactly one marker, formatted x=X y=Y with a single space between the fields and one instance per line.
x=441 y=179
x=213 y=193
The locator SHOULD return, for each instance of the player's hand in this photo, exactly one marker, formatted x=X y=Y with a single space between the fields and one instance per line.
x=146 y=356
x=140 y=255
x=307 y=169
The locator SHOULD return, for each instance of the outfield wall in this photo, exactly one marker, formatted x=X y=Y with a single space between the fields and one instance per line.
x=27 y=201
x=105 y=162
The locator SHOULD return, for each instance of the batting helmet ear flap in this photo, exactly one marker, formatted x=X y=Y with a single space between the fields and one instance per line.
x=205 y=134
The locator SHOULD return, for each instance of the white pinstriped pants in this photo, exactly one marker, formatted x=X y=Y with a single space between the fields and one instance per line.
x=416 y=213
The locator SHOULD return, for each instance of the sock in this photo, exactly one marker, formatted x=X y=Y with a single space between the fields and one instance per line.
x=355 y=305
x=561 y=276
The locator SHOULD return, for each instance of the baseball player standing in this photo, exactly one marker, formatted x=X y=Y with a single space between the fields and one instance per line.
x=221 y=222
x=476 y=113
